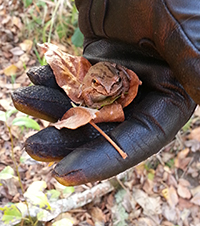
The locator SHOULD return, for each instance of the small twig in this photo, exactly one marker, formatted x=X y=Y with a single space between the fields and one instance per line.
x=121 y=152
x=74 y=201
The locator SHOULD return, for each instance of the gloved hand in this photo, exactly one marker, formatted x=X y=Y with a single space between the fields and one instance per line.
x=159 y=40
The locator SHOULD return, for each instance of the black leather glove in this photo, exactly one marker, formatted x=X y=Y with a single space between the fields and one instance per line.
x=159 y=40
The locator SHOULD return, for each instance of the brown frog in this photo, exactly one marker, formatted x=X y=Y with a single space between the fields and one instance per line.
x=103 y=84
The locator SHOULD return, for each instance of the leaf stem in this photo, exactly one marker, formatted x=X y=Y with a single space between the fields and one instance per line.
x=121 y=152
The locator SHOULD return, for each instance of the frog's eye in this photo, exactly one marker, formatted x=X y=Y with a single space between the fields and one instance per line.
x=119 y=80
x=95 y=82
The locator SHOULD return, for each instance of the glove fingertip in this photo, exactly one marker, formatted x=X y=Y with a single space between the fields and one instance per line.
x=76 y=177
x=42 y=102
x=43 y=75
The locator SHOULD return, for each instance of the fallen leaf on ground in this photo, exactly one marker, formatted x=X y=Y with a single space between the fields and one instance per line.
x=182 y=163
x=183 y=189
x=17 y=51
x=172 y=181
x=10 y=185
x=195 y=134
x=10 y=70
x=150 y=205
x=26 y=45
x=171 y=196
x=196 y=199
x=184 y=204
x=145 y=222
x=184 y=182
x=167 y=223
x=148 y=187
x=195 y=190
x=183 y=192
x=63 y=221
x=171 y=214
x=182 y=154
x=97 y=216
x=17 y=22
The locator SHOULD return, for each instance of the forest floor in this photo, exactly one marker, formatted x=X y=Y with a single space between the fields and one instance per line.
x=163 y=190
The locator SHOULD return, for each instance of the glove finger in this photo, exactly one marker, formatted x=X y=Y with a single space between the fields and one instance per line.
x=143 y=135
x=50 y=144
x=42 y=102
x=44 y=76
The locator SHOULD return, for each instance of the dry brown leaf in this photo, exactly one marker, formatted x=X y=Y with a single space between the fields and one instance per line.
x=182 y=154
x=145 y=221
x=97 y=216
x=182 y=163
x=10 y=70
x=69 y=70
x=17 y=22
x=184 y=182
x=195 y=134
x=10 y=185
x=133 y=89
x=184 y=204
x=110 y=113
x=172 y=181
x=150 y=205
x=148 y=187
x=196 y=199
x=26 y=45
x=76 y=117
x=171 y=196
x=195 y=190
x=183 y=192
x=167 y=223
x=5 y=104
x=17 y=51
x=171 y=214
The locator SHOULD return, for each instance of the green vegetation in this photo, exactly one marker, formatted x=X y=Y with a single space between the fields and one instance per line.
x=35 y=196
x=52 y=21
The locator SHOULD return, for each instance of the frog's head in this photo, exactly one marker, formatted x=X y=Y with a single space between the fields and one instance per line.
x=103 y=83
x=105 y=78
